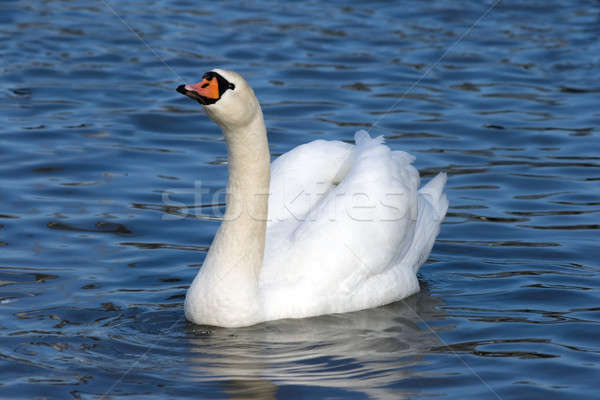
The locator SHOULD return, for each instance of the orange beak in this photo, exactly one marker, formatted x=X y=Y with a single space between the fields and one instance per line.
x=206 y=88
x=209 y=91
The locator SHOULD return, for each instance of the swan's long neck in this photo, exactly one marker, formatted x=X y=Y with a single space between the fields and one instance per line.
x=242 y=233
x=225 y=291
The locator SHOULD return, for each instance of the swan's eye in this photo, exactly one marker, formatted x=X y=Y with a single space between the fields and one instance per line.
x=231 y=86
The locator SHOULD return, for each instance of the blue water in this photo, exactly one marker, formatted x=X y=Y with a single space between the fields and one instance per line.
x=106 y=172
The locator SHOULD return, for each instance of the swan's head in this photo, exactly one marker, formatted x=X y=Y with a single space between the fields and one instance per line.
x=226 y=97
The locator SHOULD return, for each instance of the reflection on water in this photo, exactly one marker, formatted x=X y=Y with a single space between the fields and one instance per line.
x=103 y=225
x=365 y=352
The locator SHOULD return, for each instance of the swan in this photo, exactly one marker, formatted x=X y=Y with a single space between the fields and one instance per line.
x=329 y=227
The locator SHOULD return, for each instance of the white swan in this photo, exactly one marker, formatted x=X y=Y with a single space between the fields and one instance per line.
x=328 y=228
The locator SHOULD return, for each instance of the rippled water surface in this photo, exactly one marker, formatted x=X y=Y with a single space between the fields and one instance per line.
x=105 y=172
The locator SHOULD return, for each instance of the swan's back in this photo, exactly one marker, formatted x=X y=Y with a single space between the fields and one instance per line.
x=348 y=228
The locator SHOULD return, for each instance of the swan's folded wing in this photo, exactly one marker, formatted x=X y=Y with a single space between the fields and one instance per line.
x=353 y=232
x=371 y=213
x=300 y=177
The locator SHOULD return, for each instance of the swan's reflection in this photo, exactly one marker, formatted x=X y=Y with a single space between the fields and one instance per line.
x=367 y=351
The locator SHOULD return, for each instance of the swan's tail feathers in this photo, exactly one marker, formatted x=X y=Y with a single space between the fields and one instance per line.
x=433 y=192
x=433 y=205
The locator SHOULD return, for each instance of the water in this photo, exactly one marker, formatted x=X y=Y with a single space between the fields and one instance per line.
x=104 y=170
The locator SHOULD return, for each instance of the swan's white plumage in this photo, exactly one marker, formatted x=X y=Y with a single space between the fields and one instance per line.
x=345 y=247
x=347 y=229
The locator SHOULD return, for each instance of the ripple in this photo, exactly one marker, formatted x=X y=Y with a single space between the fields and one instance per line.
x=103 y=229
